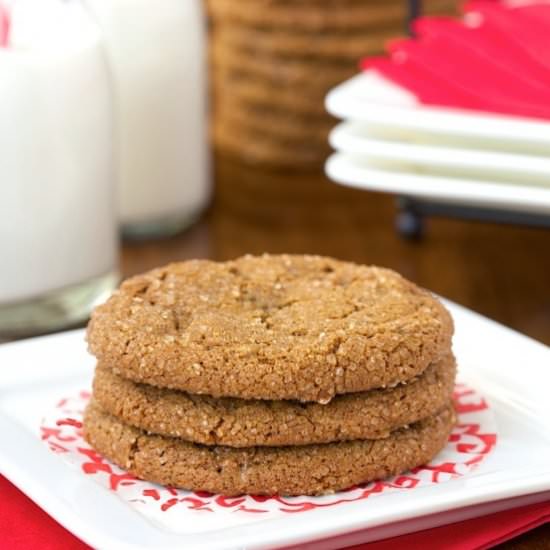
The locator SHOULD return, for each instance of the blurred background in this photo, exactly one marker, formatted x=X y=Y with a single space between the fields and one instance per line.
x=135 y=133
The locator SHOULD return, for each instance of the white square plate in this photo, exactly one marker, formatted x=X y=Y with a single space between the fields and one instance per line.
x=364 y=173
x=511 y=371
x=433 y=158
x=373 y=100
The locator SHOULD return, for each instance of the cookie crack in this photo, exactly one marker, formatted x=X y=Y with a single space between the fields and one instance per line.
x=134 y=449
x=214 y=430
x=175 y=321
x=143 y=290
x=127 y=345
x=302 y=413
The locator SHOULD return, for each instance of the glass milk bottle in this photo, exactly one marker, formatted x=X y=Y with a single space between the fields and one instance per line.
x=157 y=55
x=58 y=245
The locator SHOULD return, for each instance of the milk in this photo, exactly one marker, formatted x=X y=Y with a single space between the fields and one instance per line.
x=157 y=52
x=57 y=219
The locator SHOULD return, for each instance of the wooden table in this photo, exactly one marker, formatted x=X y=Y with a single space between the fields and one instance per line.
x=502 y=272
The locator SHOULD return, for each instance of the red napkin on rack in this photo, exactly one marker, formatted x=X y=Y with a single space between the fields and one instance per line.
x=24 y=525
x=495 y=59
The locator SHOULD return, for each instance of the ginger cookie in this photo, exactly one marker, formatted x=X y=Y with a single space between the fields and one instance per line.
x=270 y=327
x=247 y=423
x=257 y=149
x=260 y=92
x=320 y=46
x=343 y=15
x=294 y=73
x=299 y=470
x=322 y=15
x=272 y=122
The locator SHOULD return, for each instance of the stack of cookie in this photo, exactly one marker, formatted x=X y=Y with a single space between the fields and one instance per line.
x=270 y=375
x=273 y=62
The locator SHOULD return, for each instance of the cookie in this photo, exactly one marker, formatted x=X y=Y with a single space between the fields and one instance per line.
x=247 y=423
x=270 y=327
x=299 y=74
x=343 y=15
x=321 y=46
x=278 y=133
x=253 y=148
x=260 y=92
x=303 y=470
x=315 y=16
x=273 y=122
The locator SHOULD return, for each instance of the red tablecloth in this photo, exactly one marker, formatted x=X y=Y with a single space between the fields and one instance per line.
x=24 y=525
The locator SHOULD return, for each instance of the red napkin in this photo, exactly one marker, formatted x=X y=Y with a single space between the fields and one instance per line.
x=475 y=534
x=24 y=525
x=496 y=59
x=4 y=26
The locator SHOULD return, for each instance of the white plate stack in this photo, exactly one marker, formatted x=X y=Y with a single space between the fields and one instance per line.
x=391 y=143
